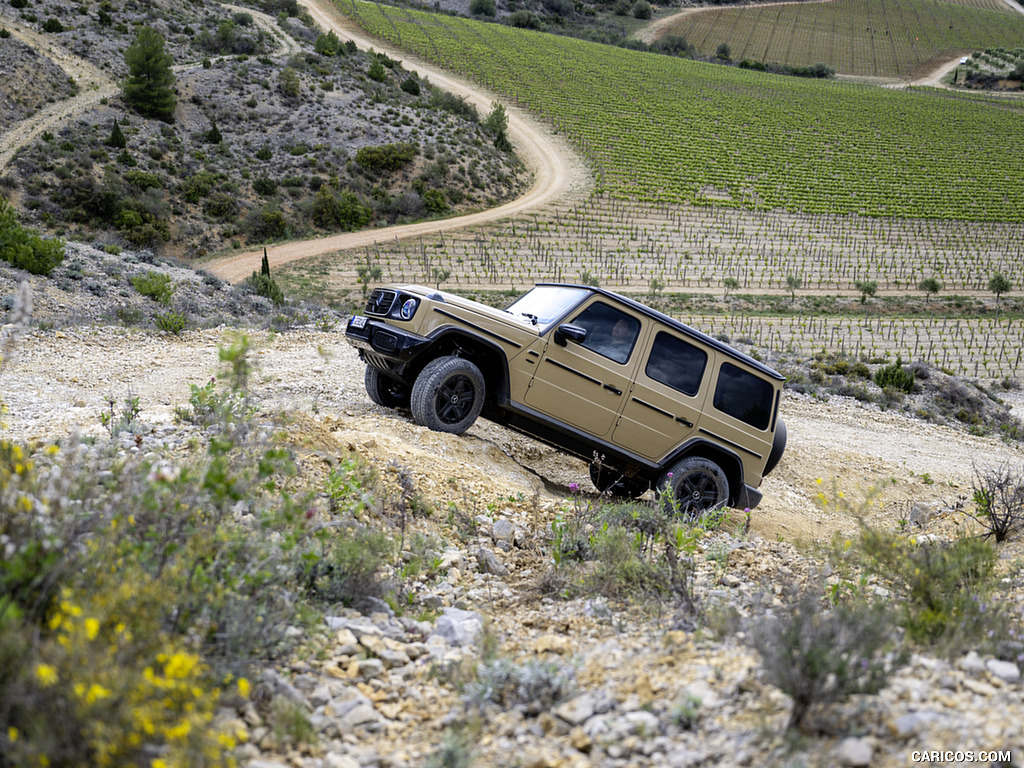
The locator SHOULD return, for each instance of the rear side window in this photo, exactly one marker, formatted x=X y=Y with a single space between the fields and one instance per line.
x=744 y=396
x=676 y=363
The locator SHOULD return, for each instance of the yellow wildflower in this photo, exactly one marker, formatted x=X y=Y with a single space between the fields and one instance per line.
x=92 y=628
x=243 y=688
x=12 y=734
x=46 y=674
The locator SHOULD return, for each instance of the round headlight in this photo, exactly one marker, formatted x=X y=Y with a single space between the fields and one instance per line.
x=408 y=309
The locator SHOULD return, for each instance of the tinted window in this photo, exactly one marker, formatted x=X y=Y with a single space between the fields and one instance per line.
x=610 y=332
x=744 y=396
x=676 y=363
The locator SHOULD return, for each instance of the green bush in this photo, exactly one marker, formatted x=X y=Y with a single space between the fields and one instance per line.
x=386 y=157
x=172 y=322
x=945 y=583
x=895 y=376
x=24 y=248
x=156 y=286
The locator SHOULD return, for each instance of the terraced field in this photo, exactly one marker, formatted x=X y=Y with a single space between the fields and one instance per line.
x=880 y=38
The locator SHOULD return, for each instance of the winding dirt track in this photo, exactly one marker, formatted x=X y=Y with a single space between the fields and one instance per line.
x=557 y=169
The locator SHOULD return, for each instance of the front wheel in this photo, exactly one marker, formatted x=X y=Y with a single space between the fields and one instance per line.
x=448 y=395
x=385 y=391
x=693 y=486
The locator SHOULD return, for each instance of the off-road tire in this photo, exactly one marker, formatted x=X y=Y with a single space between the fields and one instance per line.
x=448 y=395
x=385 y=391
x=693 y=486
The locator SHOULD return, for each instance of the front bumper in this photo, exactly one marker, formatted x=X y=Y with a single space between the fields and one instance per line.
x=383 y=346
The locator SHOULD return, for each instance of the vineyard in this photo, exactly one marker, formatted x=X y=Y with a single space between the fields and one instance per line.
x=648 y=250
x=880 y=38
x=714 y=181
x=659 y=129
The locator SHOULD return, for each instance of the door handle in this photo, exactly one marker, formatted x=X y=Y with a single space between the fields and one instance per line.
x=610 y=388
x=681 y=420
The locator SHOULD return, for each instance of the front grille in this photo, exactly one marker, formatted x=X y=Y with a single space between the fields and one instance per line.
x=380 y=302
x=384 y=341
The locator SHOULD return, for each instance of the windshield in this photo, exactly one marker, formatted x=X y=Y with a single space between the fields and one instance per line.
x=547 y=303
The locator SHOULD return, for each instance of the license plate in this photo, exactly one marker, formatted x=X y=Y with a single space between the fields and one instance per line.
x=359 y=321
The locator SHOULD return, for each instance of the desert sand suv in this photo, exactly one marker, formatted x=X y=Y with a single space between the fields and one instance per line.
x=647 y=400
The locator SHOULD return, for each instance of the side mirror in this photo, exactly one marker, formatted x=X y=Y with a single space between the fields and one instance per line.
x=570 y=332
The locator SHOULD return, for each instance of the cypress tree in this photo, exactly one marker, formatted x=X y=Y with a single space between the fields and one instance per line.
x=117 y=139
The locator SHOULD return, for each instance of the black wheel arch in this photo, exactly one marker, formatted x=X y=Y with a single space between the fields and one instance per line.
x=724 y=458
x=489 y=358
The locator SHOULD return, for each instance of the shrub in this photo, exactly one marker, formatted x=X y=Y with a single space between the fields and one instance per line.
x=895 y=377
x=288 y=80
x=642 y=10
x=386 y=157
x=328 y=44
x=524 y=19
x=172 y=322
x=532 y=687
x=457 y=105
x=52 y=26
x=941 y=580
x=377 y=72
x=411 y=85
x=24 y=248
x=264 y=186
x=155 y=285
x=999 y=500
x=482 y=7
x=818 y=656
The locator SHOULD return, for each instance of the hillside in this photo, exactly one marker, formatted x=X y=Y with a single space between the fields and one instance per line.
x=216 y=549
x=263 y=125
x=616 y=680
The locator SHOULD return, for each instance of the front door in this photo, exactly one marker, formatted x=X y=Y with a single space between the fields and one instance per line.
x=584 y=384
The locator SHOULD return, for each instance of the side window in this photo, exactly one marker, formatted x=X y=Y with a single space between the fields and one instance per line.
x=676 y=363
x=610 y=332
x=744 y=396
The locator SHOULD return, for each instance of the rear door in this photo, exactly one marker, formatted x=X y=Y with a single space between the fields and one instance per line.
x=664 y=406
x=585 y=384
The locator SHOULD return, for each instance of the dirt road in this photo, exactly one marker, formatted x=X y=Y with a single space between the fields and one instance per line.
x=557 y=169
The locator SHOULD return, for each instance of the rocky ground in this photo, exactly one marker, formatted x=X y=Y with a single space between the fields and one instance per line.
x=606 y=683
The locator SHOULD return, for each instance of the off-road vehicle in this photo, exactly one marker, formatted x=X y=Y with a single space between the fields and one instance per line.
x=647 y=400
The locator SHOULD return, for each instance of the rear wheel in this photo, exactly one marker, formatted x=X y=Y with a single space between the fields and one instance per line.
x=693 y=486
x=448 y=395
x=385 y=391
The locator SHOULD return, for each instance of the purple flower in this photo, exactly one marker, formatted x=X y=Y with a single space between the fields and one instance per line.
x=573 y=487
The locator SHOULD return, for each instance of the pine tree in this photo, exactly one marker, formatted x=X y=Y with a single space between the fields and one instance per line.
x=149 y=88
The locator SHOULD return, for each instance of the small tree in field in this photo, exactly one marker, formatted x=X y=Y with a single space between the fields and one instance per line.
x=794 y=283
x=867 y=288
x=149 y=88
x=930 y=286
x=999 y=284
